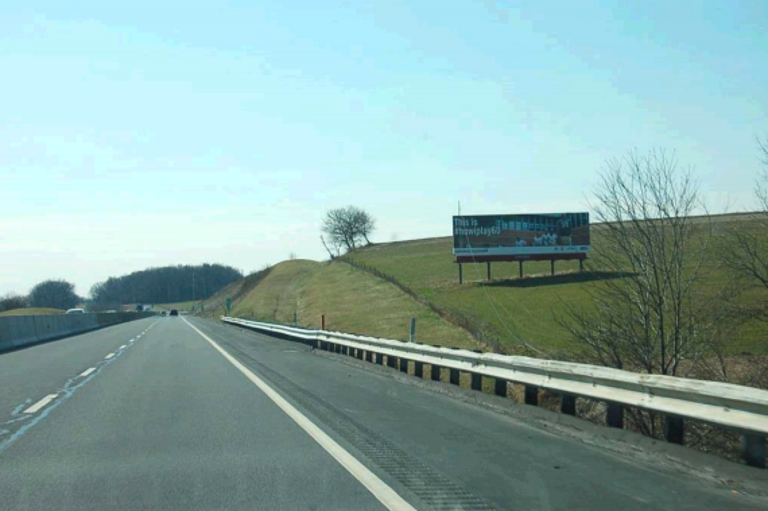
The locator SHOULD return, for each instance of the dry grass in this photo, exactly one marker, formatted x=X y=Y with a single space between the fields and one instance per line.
x=31 y=311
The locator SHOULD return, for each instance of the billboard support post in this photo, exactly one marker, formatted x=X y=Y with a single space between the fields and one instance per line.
x=489 y=271
x=521 y=269
x=581 y=265
x=552 y=266
x=461 y=275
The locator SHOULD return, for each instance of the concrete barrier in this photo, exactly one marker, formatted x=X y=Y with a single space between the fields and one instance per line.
x=45 y=327
x=22 y=331
x=5 y=335
x=25 y=331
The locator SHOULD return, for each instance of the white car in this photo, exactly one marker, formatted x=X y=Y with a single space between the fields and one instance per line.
x=75 y=311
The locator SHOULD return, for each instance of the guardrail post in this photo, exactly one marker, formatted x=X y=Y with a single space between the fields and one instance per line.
x=418 y=369
x=614 y=415
x=753 y=450
x=369 y=356
x=455 y=377
x=567 y=404
x=477 y=381
x=379 y=358
x=500 y=387
x=360 y=354
x=674 y=429
x=403 y=365
x=435 y=373
x=531 y=395
x=391 y=362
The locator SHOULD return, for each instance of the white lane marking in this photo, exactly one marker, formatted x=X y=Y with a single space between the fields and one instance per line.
x=109 y=356
x=40 y=404
x=122 y=347
x=385 y=494
x=87 y=372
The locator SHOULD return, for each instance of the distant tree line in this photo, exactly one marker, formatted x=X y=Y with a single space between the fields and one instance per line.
x=168 y=284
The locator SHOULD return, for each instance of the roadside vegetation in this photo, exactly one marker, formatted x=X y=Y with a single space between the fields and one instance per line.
x=352 y=301
x=31 y=311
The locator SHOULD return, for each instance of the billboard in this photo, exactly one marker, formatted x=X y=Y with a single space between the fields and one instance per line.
x=543 y=236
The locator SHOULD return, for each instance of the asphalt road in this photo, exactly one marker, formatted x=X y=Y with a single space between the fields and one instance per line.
x=200 y=415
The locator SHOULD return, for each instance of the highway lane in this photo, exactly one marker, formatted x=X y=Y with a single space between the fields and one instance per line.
x=172 y=424
x=508 y=461
x=28 y=375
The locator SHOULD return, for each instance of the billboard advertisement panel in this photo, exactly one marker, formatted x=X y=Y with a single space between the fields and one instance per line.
x=520 y=237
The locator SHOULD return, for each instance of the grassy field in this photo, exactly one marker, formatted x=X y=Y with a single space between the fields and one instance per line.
x=508 y=309
x=513 y=311
x=352 y=301
x=31 y=311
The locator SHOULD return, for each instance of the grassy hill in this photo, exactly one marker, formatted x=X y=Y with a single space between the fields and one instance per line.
x=375 y=291
x=507 y=310
x=352 y=301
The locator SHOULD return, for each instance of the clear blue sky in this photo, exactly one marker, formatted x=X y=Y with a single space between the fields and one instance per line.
x=169 y=132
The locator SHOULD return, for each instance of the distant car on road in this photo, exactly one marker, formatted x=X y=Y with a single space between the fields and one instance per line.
x=163 y=313
x=75 y=311
x=174 y=312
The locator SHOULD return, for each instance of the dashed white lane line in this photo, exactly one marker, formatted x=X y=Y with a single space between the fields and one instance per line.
x=41 y=404
x=122 y=347
x=383 y=493
x=109 y=356
x=87 y=372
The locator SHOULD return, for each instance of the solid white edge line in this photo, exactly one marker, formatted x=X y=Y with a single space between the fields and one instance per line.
x=40 y=404
x=383 y=493
x=109 y=356
x=87 y=372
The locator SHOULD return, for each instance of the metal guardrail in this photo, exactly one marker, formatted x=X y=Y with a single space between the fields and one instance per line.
x=734 y=407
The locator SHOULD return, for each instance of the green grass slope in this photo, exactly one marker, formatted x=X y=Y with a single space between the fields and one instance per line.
x=352 y=300
x=509 y=310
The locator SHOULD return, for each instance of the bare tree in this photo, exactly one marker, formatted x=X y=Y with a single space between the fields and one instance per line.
x=363 y=223
x=653 y=308
x=12 y=301
x=656 y=313
x=331 y=253
x=745 y=248
x=347 y=228
x=292 y=256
